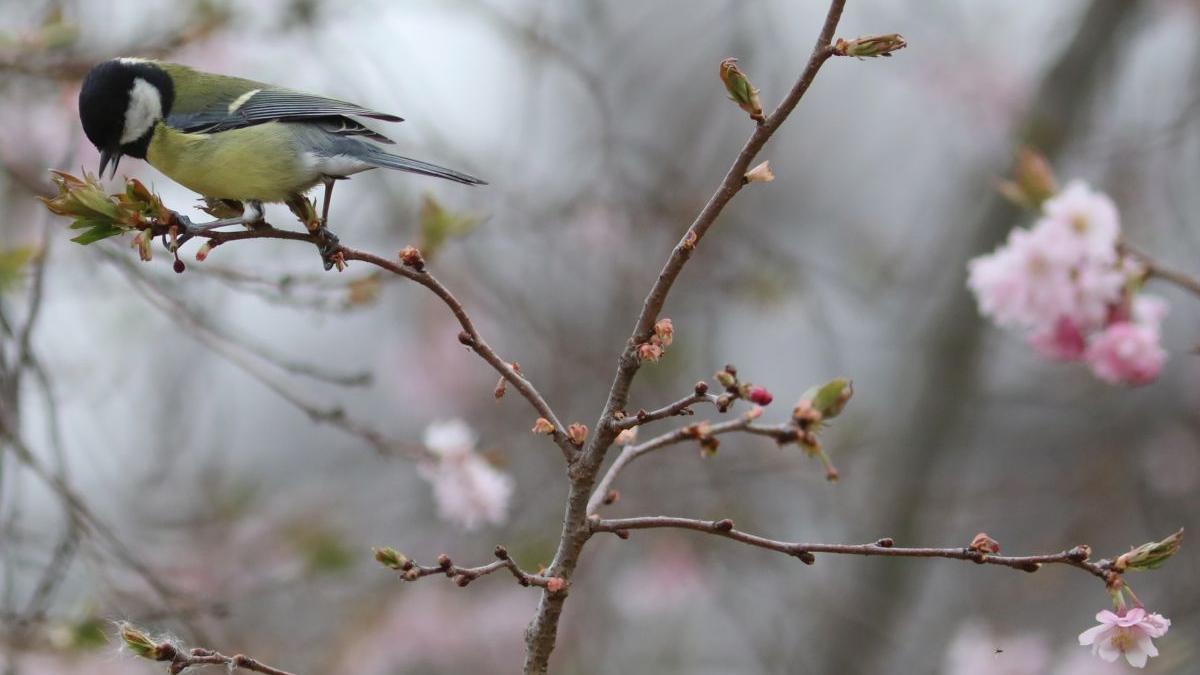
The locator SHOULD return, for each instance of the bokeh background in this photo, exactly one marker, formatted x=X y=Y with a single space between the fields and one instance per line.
x=184 y=410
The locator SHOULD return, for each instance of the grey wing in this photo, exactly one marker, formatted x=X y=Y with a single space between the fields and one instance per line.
x=270 y=105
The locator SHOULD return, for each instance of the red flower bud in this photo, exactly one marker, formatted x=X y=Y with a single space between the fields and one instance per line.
x=759 y=395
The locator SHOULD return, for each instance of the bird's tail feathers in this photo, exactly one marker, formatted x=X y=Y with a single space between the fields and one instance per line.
x=387 y=160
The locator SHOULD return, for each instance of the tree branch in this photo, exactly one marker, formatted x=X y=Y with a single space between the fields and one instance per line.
x=541 y=633
x=1155 y=270
x=681 y=407
x=411 y=571
x=1074 y=557
x=782 y=433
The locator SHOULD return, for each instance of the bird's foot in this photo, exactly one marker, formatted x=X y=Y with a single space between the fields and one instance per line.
x=330 y=248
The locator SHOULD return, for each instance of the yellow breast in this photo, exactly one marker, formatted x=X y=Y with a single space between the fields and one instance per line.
x=261 y=162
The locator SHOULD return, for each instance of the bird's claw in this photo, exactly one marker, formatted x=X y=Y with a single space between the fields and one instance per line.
x=329 y=248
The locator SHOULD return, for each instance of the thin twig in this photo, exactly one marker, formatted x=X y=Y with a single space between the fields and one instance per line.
x=681 y=407
x=1074 y=557
x=782 y=433
x=1156 y=270
x=206 y=657
x=411 y=571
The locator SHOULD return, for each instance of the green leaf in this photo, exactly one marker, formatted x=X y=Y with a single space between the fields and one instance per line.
x=97 y=233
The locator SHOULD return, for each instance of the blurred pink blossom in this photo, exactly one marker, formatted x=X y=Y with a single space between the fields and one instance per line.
x=1126 y=353
x=1087 y=217
x=1063 y=284
x=1064 y=342
x=1129 y=633
x=469 y=491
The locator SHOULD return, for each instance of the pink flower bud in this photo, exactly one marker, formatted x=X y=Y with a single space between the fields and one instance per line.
x=555 y=584
x=665 y=331
x=543 y=426
x=203 y=251
x=759 y=395
x=754 y=413
x=627 y=436
x=985 y=544
x=577 y=433
x=649 y=352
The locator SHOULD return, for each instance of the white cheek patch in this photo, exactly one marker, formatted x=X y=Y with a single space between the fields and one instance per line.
x=145 y=108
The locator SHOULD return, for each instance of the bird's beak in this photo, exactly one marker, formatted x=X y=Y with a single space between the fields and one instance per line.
x=107 y=156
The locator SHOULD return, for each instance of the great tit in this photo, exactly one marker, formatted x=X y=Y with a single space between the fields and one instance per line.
x=233 y=139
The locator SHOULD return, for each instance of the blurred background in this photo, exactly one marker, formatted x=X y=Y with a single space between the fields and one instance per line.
x=213 y=494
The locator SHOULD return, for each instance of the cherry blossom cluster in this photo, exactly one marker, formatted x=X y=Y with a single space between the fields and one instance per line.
x=1066 y=286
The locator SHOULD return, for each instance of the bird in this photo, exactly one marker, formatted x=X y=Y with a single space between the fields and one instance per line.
x=236 y=140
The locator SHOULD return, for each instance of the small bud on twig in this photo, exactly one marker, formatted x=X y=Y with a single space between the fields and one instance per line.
x=390 y=557
x=1150 y=555
x=760 y=174
x=444 y=561
x=870 y=47
x=648 y=351
x=740 y=90
x=577 y=433
x=626 y=436
x=410 y=256
x=759 y=395
x=723 y=525
x=664 y=330
x=543 y=426
x=701 y=388
x=982 y=543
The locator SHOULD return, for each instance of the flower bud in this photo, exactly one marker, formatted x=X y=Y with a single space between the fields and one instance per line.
x=501 y=388
x=555 y=584
x=627 y=436
x=1032 y=181
x=203 y=251
x=411 y=574
x=709 y=445
x=830 y=398
x=665 y=331
x=577 y=433
x=754 y=413
x=759 y=395
x=390 y=557
x=648 y=351
x=139 y=642
x=725 y=378
x=760 y=174
x=984 y=544
x=142 y=241
x=410 y=256
x=740 y=90
x=869 y=47
x=1150 y=555
x=543 y=426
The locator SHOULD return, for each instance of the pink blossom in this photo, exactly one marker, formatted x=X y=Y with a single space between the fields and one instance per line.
x=468 y=490
x=1126 y=353
x=1128 y=633
x=1088 y=216
x=1064 y=342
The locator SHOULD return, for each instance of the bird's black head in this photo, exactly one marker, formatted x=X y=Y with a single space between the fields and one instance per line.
x=120 y=102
